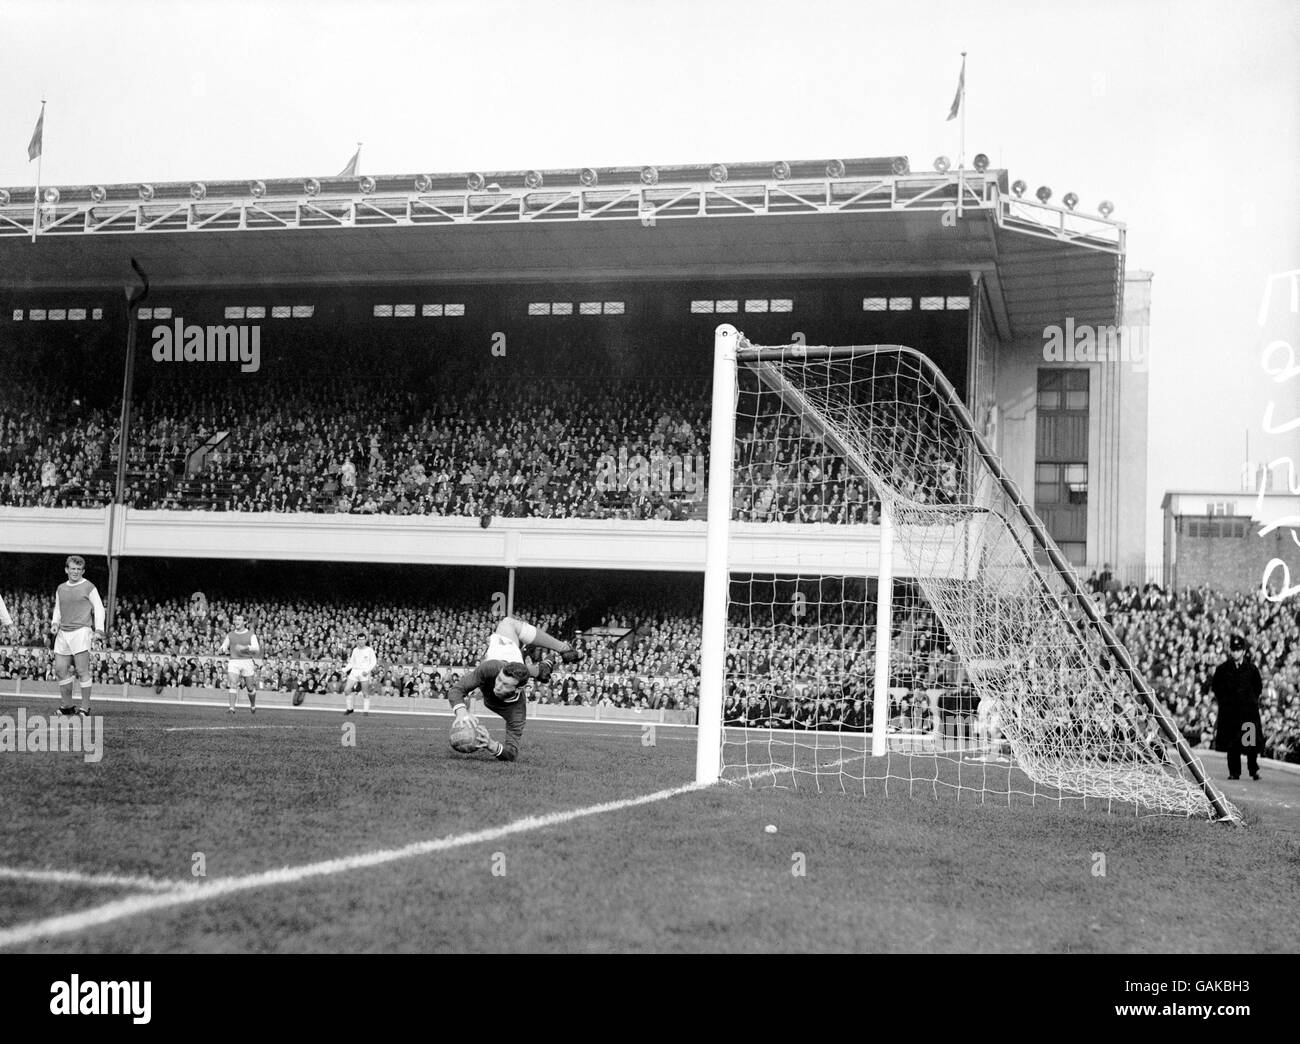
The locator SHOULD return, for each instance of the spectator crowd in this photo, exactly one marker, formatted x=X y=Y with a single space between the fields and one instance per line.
x=573 y=447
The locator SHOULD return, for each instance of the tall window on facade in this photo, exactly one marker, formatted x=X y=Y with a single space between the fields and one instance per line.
x=1061 y=460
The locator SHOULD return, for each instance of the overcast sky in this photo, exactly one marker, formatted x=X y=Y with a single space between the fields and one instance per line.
x=1185 y=114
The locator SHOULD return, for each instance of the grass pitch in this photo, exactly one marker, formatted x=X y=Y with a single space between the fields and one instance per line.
x=105 y=857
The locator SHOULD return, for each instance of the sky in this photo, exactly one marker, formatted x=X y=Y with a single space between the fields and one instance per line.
x=1185 y=114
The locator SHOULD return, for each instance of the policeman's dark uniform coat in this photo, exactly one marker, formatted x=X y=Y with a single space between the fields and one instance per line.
x=1237 y=689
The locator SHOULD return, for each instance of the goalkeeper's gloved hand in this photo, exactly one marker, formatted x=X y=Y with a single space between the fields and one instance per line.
x=485 y=741
x=544 y=671
x=569 y=654
x=464 y=731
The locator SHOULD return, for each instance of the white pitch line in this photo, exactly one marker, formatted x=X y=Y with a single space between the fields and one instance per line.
x=232 y=728
x=94 y=880
x=382 y=712
x=185 y=894
x=589 y=733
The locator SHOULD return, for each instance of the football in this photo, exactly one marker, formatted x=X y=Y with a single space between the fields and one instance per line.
x=463 y=739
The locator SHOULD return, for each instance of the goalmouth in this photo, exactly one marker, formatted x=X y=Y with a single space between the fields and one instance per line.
x=963 y=656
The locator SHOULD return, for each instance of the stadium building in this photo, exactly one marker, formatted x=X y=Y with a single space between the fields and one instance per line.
x=1232 y=541
x=589 y=275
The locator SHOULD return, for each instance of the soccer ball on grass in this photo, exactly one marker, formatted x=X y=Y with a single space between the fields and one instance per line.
x=464 y=738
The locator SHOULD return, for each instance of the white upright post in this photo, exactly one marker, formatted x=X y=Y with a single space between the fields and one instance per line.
x=708 y=753
x=884 y=624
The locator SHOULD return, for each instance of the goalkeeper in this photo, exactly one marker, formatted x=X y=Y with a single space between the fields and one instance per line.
x=501 y=679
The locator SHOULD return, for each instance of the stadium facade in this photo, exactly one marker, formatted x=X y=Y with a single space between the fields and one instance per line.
x=1232 y=541
x=1023 y=304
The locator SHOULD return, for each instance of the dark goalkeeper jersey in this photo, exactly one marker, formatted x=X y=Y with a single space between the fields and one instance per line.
x=482 y=678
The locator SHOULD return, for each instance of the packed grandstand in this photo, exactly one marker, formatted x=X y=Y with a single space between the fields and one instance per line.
x=420 y=442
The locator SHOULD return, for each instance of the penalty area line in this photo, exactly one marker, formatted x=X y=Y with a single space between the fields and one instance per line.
x=185 y=894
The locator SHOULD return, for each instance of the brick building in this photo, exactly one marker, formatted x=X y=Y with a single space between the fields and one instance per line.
x=1218 y=538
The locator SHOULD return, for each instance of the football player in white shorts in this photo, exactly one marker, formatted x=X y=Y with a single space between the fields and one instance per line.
x=76 y=606
x=500 y=681
x=241 y=646
x=512 y=634
x=360 y=670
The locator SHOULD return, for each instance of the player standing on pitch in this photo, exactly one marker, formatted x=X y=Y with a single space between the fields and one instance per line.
x=500 y=680
x=76 y=605
x=360 y=671
x=241 y=646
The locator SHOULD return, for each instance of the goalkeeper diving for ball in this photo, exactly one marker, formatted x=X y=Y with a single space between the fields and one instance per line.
x=501 y=680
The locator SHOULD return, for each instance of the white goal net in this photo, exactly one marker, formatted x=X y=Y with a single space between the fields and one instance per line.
x=896 y=615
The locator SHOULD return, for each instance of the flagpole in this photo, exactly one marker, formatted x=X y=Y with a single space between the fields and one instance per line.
x=40 y=157
x=36 y=203
x=961 y=150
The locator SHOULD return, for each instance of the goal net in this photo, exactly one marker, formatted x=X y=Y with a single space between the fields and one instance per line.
x=884 y=610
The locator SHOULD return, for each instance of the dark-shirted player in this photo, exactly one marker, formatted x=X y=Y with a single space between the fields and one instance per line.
x=78 y=627
x=501 y=686
x=501 y=680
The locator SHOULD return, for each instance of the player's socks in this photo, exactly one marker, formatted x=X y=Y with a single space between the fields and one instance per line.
x=348 y=704
x=365 y=705
x=232 y=693
x=85 y=697
x=252 y=703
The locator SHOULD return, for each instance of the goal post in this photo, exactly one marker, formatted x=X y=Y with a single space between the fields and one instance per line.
x=979 y=638
x=708 y=751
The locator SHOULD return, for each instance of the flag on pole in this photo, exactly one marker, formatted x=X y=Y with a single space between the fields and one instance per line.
x=350 y=171
x=38 y=135
x=961 y=91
